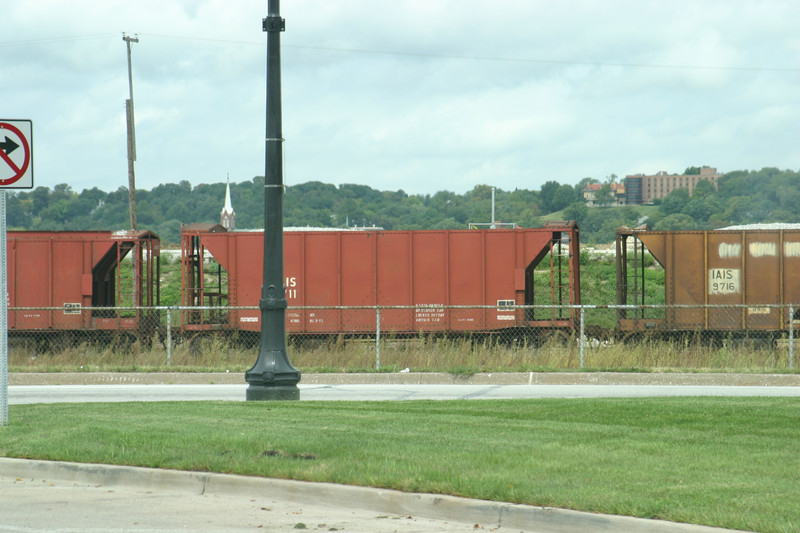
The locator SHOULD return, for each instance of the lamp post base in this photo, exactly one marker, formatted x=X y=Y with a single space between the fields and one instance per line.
x=272 y=377
x=267 y=393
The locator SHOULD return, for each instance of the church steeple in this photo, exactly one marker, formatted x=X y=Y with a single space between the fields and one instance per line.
x=228 y=217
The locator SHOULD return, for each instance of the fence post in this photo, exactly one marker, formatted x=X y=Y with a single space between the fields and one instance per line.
x=583 y=332
x=378 y=338
x=791 y=336
x=169 y=337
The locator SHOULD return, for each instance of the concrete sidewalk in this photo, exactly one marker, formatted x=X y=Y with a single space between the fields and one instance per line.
x=67 y=497
x=432 y=378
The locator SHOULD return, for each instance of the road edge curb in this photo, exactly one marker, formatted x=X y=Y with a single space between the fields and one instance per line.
x=430 y=506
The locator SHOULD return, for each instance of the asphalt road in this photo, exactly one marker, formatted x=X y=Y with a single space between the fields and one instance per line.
x=27 y=394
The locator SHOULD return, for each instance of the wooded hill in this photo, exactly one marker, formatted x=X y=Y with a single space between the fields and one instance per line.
x=744 y=197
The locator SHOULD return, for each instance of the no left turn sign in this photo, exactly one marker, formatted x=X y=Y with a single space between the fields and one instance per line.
x=16 y=154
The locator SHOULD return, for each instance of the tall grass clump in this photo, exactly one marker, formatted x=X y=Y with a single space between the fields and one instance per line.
x=422 y=353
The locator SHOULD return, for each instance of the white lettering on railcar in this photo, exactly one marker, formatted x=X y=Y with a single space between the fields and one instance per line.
x=290 y=285
x=730 y=249
x=314 y=319
x=760 y=249
x=248 y=319
x=724 y=281
x=429 y=313
x=791 y=249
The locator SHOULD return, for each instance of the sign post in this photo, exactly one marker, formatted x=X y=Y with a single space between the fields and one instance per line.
x=16 y=172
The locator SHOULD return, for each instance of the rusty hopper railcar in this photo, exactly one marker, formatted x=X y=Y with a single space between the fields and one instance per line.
x=429 y=270
x=81 y=274
x=748 y=270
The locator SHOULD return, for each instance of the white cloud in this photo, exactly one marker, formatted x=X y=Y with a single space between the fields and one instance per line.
x=512 y=94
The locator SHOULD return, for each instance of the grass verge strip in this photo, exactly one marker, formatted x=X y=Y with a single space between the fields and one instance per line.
x=729 y=462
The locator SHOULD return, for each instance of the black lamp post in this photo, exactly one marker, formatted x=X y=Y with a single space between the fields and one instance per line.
x=273 y=377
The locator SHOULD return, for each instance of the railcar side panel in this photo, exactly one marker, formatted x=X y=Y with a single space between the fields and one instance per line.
x=502 y=257
x=66 y=281
x=762 y=255
x=429 y=282
x=723 y=280
x=358 y=280
x=429 y=270
x=320 y=282
x=791 y=270
x=29 y=286
x=467 y=280
x=394 y=280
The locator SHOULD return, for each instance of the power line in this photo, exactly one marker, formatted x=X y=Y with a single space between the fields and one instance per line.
x=63 y=39
x=490 y=58
x=203 y=39
x=430 y=55
x=545 y=61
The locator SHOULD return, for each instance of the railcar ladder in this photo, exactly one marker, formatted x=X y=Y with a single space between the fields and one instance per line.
x=631 y=280
x=559 y=279
x=193 y=265
x=129 y=290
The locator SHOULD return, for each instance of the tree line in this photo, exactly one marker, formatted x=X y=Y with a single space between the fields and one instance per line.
x=742 y=197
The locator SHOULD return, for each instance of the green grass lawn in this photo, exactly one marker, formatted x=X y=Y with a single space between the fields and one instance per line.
x=730 y=462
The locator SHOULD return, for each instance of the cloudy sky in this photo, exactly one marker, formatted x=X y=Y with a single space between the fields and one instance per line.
x=419 y=95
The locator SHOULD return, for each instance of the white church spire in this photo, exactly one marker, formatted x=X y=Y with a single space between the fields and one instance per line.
x=227 y=216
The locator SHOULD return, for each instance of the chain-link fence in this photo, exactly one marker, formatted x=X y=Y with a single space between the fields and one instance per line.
x=395 y=338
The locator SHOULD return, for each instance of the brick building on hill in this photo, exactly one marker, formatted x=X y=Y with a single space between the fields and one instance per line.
x=616 y=194
x=641 y=189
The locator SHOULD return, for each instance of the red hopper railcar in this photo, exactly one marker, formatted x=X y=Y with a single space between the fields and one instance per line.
x=79 y=275
x=432 y=272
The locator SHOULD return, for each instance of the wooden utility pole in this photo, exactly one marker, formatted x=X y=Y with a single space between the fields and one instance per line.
x=131 y=135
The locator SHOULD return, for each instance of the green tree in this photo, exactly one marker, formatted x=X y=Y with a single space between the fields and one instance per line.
x=789 y=200
x=62 y=191
x=563 y=196
x=603 y=196
x=582 y=185
x=700 y=209
x=675 y=201
x=576 y=211
x=16 y=214
x=703 y=188
x=675 y=222
x=547 y=194
x=41 y=199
